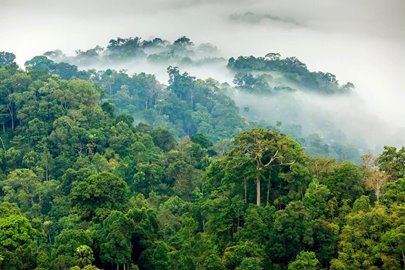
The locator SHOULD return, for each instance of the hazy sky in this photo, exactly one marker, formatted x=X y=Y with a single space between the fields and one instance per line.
x=362 y=41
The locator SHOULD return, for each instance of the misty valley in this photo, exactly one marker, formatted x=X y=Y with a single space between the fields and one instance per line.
x=265 y=91
x=155 y=154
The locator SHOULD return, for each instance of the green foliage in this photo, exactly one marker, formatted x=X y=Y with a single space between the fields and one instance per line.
x=64 y=252
x=207 y=108
x=251 y=84
x=245 y=255
x=316 y=199
x=304 y=261
x=84 y=255
x=394 y=193
x=81 y=187
x=99 y=193
x=250 y=264
x=115 y=239
x=362 y=244
x=265 y=149
x=290 y=68
x=293 y=232
x=392 y=161
x=6 y=58
x=16 y=239
x=345 y=182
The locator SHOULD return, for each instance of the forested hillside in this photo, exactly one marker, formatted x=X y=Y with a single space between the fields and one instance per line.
x=106 y=170
x=189 y=105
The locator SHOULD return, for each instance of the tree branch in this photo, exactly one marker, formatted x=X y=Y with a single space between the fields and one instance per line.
x=274 y=157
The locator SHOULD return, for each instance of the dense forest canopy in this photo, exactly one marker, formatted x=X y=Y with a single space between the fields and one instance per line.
x=290 y=68
x=100 y=169
x=182 y=51
x=188 y=105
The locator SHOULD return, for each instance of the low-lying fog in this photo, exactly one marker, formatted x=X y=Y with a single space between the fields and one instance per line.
x=359 y=41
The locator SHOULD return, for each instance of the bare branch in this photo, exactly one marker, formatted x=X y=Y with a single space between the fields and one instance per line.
x=274 y=157
x=287 y=163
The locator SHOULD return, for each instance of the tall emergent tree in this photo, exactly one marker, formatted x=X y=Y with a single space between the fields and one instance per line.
x=265 y=149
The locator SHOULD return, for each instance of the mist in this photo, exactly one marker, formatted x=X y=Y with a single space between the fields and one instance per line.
x=342 y=118
x=358 y=41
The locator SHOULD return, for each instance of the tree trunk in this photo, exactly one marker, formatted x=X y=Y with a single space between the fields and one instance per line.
x=268 y=190
x=12 y=122
x=46 y=171
x=258 y=189
x=245 y=186
x=11 y=112
x=2 y=144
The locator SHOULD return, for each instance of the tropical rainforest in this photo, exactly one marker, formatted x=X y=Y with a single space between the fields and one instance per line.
x=104 y=169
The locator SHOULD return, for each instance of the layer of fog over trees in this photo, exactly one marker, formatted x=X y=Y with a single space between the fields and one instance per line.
x=333 y=112
x=358 y=42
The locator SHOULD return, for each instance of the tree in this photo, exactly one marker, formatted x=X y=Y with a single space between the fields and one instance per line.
x=320 y=167
x=273 y=56
x=265 y=149
x=156 y=257
x=144 y=229
x=250 y=264
x=221 y=216
x=163 y=139
x=372 y=240
x=103 y=192
x=252 y=84
x=245 y=255
x=212 y=262
x=148 y=177
x=183 y=42
x=374 y=178
x=115 y=239
x=292 y=232
x=84 y=255
x=12 y=86
x=182 y=173
x=316 y=199
x=393 y=242
x=394 y=193
x=392 y=162
x=305 y=260
x=258 y=225
x=24 y=187
x=16 y=239
x=67 y=242
x=326 y=236
x=345 y=182
x=6 y=58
